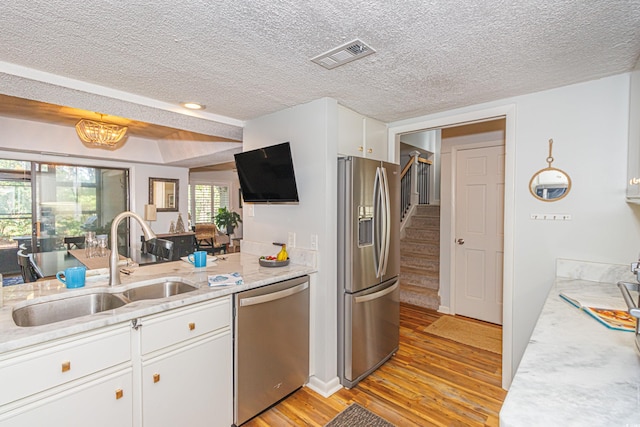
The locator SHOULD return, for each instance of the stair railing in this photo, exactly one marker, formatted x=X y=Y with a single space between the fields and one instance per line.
x=414 y=183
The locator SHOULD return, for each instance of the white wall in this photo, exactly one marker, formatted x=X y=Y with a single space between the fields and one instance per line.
x=28 y=140
x=38 y=137
x=140 y=174
x=312 y=131
x=588 y=123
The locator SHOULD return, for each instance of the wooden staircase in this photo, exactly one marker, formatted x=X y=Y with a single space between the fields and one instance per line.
x=420 y=258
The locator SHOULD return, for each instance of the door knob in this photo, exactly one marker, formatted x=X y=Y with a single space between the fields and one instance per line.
x=460 y=241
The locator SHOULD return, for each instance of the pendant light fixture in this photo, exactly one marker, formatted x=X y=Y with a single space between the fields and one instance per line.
x=99 y=133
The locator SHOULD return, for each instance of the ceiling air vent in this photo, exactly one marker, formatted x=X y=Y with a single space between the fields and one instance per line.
x=348 y=52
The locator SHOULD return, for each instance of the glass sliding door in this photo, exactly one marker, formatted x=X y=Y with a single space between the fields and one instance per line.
x=15 y=212
x=73 y=199
x=42 y=203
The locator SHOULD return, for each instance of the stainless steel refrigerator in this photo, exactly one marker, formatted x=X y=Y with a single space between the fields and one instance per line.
x=368 y=266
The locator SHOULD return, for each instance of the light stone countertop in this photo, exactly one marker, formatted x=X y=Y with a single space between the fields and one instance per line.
x=575 y=371
x=13 y=337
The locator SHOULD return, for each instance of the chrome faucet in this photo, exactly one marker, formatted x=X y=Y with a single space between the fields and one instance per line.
x=114 y=272
x=635 y=269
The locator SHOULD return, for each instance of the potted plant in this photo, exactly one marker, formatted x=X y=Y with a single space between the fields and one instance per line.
x=227 y=220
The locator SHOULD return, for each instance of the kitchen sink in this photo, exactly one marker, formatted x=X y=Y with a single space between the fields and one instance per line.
x=158 y=290
x=43 y=313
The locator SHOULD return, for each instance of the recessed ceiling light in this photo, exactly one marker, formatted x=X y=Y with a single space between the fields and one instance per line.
x=193 y=105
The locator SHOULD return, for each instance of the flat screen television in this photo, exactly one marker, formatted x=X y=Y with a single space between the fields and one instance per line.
x=266 y=175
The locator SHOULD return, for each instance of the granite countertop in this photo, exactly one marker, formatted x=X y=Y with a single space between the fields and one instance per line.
x=575 y=371
x=13 y=337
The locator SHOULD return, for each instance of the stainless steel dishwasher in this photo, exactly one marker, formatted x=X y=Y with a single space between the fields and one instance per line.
x=271 y=345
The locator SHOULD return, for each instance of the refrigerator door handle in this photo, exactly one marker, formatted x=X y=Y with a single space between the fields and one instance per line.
x=386 y=219
x=376 y=295
x=379 y=236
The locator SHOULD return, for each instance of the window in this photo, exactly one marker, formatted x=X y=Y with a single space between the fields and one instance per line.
x=42 y=203
x=207 y=199
x=15 y=201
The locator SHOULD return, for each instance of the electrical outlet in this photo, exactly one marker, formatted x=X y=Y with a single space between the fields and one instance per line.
x=314 y=242
x=292 y=240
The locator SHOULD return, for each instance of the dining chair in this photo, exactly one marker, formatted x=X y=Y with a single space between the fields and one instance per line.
x=77 y=241
x=161 y=248
x=28 y=268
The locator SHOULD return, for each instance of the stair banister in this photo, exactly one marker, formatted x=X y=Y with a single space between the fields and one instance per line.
x=415 y=197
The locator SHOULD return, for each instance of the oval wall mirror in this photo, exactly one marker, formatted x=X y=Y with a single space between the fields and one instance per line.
x=550 y=184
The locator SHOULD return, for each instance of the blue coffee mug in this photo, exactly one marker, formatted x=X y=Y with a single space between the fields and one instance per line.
x=73 y=276
x=198 y=258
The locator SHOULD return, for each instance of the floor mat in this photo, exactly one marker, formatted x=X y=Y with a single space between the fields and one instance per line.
x=357 y=416
x=467 y=332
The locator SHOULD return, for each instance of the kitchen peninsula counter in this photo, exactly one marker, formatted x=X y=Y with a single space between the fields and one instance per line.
x=13 y=337
x=575 y=371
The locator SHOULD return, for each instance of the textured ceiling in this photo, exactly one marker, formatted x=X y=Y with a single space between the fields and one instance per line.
x=247 y=58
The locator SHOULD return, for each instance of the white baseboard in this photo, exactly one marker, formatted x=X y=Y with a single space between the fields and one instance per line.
x=444 y=309
x=325 y=389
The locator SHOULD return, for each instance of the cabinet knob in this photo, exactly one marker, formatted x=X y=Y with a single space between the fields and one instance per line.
x=156 y=378
x=360 y=148
x=370 y=150
x=66 y=366
x=192 y=326
x=119 y=394
x=634 y=181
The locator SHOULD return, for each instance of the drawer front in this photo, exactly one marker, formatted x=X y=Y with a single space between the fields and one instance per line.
x=41 y=367
x=175 y=326
x=103 y=402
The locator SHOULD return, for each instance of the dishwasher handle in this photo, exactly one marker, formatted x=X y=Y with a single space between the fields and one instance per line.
x=274 y=295
x=624 y=288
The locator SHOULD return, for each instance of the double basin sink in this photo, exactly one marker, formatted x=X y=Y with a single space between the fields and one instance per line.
x=43 y=313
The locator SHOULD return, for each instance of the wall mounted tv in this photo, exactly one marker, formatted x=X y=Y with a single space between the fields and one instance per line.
x=266 y=175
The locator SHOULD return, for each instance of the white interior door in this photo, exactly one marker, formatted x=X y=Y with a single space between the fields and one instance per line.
x=479 y=253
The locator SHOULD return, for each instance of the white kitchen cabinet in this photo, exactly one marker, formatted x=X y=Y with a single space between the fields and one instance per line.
x=171 y=368
x=103 y=401
x=190 y=386
x=186 y=376
x=361 y=136
x=85 y=379
x=633 y=169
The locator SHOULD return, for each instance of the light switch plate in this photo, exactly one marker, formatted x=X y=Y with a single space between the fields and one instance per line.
x=291 y=243
x=314 y=242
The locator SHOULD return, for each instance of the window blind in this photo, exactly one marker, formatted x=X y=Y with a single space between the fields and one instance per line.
x=208 y=199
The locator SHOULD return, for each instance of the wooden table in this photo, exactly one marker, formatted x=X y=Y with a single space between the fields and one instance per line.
x=103 y=262
x=93 y=262
x=52 y=262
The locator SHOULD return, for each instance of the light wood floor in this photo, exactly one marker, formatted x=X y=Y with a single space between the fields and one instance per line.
x=431 y=381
